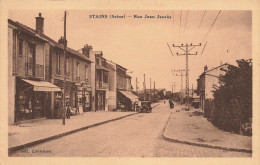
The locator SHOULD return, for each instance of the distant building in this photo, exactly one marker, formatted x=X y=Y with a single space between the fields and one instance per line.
x=206 y=81
x=124 y=96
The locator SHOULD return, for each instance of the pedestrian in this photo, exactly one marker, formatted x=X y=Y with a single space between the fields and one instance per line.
x=170 y=103
x=68 y=111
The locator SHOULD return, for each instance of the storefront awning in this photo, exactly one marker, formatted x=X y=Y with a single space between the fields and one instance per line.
x=129 y=95
x=42 y=86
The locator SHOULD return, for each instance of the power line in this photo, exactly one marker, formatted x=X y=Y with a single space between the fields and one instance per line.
x=173 y=23
x=180 y=27
x=170 y=48
x=211 y=26
x=186 y=20
x=203 y=48
x=199 y=25
x=186 y=23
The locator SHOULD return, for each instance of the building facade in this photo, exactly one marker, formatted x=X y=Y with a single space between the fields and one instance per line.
x=29 y=81
x=206 y=82
x=36 y=74
x=78 y=78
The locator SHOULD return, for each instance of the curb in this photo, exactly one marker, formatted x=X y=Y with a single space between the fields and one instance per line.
x=200 y=144
x=13 y=149
x=155 y=105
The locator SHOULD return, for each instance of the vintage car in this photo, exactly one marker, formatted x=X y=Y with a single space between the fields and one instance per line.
x=196 y=103
x=144 y=106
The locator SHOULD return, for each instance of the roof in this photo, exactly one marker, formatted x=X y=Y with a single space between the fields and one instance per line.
x=26 y=29
x=212 y=69
x=33 y=32
x=127 y=76
x=118 y=65
x=110 y=66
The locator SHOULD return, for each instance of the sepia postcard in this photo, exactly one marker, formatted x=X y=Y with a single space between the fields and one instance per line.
x=146 y=82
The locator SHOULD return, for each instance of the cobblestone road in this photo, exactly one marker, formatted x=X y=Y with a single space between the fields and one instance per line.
x=136 y=136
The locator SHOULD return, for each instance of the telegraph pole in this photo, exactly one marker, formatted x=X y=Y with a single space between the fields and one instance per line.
x=150 y=89
x=154 y=89
x=187 y=50
x=65 y=73
x=144 y=88
x=136 y=85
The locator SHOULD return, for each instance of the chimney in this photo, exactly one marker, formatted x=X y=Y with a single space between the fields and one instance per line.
x=39 y=24
x=205 y=68
x=62 y=41
x=86 y=49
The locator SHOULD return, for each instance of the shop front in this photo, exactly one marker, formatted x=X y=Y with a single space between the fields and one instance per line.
x=126 y=100
x=86 y=97
x=71 y=98
x=32 y=99
x=101 y=99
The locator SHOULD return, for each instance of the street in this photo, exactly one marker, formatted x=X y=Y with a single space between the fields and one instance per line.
x=139 y=135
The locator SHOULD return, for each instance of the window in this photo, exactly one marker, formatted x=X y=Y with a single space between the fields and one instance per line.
x=77 y=69
x=97 y=61
x=14 y=52
x=20 y=45
x=86 y=73
x=105 y=77
x=30 y=60
x=67 y=64
x=103 y=63
x=58 y=64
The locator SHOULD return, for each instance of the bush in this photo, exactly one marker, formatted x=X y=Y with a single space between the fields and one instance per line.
x=233 y=98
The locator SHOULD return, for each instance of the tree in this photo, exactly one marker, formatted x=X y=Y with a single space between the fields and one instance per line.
x=233 y=97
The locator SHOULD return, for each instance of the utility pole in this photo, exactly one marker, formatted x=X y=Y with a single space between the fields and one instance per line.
x=136 y=85
x=192 y=91
x=150 y=90
x=154 y=89
x=173 y=87
x=187 y=50
x=65 y=73
x=144 y=88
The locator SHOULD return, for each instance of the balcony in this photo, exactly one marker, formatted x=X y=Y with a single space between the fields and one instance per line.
x=101 y=85
x=67 y=74
x=35 y=70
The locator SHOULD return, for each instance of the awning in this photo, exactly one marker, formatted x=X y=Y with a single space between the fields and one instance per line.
x=129 y=95
x=42 y=86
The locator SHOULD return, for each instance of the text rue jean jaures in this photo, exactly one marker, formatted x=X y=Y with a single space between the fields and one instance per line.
x=135 y=16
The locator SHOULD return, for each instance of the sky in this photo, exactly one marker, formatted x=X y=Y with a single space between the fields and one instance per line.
x=140 y=45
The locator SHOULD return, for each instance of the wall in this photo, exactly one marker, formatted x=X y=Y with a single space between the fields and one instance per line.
x=211 y=78
x=11 y=78
x=112 y=88
x=93 y=79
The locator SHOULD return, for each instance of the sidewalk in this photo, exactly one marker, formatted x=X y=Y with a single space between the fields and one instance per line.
x=35 y=132
x=190 y=127
x=38 y=131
